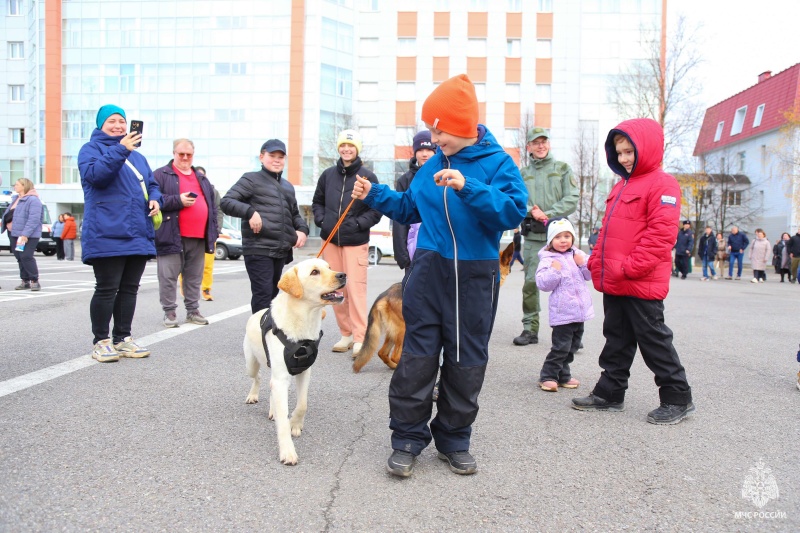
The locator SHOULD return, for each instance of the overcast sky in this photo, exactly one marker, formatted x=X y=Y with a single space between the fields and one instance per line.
x=741 y=40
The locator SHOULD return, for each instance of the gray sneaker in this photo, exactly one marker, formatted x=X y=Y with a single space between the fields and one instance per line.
x=194 y=317
x=170 y=319
x=401 y=463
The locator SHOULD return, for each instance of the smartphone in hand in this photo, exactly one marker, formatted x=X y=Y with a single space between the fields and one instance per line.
x=191 y=194
x=138 y=127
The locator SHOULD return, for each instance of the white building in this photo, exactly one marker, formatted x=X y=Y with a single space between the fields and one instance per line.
x=230 y=75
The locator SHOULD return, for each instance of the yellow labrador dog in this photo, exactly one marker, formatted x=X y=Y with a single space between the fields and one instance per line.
x=291 y=338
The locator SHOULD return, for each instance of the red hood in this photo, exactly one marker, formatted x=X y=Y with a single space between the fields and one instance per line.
x=647 y=138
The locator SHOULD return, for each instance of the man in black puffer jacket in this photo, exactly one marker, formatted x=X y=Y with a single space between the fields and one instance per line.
x=348 y=250
x=271 y=222
x=424 y=149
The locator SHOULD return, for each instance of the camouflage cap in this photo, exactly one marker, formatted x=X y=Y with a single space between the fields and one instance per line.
x=535 y=133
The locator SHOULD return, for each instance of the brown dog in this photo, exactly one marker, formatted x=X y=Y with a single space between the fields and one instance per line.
x=386 y=318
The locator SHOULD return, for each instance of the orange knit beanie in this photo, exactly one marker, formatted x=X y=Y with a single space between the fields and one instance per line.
x=453 y=107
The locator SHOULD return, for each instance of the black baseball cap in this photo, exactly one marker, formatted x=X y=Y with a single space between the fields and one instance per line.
x=273 y=145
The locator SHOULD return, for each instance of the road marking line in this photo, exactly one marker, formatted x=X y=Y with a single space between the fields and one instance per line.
x=26 y=381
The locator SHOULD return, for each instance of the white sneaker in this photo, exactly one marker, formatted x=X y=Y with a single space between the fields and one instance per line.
x=356 y=347
x=104 y=352
x=715 y=277
x=344 y=344
x=754 y=280
x=129 y=348
x=761 y=280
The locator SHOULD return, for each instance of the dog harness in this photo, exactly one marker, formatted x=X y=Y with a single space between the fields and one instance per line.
x=298 y=356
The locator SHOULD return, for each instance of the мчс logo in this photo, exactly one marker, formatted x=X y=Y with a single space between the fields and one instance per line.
x=760 y=485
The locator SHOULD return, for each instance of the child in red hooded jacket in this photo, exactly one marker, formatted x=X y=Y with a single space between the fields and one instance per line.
x=631 y=265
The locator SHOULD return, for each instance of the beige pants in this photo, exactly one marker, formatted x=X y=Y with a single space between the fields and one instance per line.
x=351 y=315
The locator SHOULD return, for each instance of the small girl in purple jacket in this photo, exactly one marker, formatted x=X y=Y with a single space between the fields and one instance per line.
x=562 y=270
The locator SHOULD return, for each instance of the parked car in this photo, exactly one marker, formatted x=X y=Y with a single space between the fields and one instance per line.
x=229 y=242
x=380 y=241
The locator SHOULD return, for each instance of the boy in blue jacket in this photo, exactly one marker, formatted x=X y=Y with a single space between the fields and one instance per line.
x=465 y=196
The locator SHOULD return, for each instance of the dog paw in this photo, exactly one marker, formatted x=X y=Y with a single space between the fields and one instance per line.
x=289 y=458
x=252 y=398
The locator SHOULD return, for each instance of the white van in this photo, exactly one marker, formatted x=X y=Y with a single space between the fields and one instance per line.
x=380 y=240
x=46 y=244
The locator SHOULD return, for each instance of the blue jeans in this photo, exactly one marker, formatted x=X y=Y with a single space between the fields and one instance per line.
x=708 y=263
x=735 y=256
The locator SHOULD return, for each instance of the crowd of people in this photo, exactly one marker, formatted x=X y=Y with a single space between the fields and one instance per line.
x=713 y=250
x=461 y=192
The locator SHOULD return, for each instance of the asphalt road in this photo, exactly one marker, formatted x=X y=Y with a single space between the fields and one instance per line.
x=167 y=443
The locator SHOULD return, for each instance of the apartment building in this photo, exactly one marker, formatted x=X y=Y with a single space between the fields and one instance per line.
x=231 y=74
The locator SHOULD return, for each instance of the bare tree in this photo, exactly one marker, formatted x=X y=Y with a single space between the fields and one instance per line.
x=587 y=169
x=525 y=125
x=787 y=152
x=671 y=98
x=734 y=200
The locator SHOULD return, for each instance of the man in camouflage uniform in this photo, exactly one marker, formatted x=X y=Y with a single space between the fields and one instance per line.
x=552 y=192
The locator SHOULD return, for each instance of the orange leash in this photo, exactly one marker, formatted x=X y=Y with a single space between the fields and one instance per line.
x=336 y=227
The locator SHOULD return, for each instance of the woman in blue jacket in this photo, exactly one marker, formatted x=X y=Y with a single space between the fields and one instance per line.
x=24 y=231
x=118 y=238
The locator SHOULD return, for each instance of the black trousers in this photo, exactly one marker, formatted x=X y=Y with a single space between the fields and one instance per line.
x=566 y=340
x=682 y=264
x=28 y=269
x=116 y=287
x=59 y=248
x=264 y=273
x=630 y=322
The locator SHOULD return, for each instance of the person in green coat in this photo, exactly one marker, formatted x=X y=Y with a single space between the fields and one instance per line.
x=552 y=193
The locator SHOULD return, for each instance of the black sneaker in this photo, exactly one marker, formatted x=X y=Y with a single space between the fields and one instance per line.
x=526 y=338
x=595 y=403
x=668 y=414
x=460 y=462
x=400 y=463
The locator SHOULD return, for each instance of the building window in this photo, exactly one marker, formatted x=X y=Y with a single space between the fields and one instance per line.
x=480 y=91
x=404 y=136
x=369 y=5
x=441 y=47
x=738 y=120
x=15 y=8
x=16 y=170
x=406 y=92
x=742 y=161
x=368 y=91
x=759 y=116
x=512 y=93
x=718 y=135
x=476 y=47
x=764 y=158
x=224 y=69
x=514 y=5
x=706 y=196
x=229 y=115
x=478 y=5
x=16 y=93
x=16 y=136
x=127 y=79
x=544 y=48
x=337 y=35
x=510 y=136
x=512 y=47
x=441 y=5
x=407 y=47
x=733 y=197
x=16 y=50
x=543 y=93
x=545 y=6
x=368 y=47
x=336 y=81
